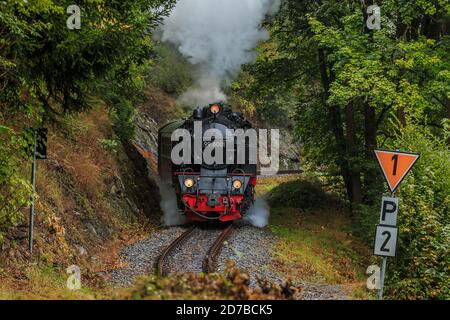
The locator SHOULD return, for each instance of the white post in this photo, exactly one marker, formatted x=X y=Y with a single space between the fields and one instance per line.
x=383 y=270
x=382 y=273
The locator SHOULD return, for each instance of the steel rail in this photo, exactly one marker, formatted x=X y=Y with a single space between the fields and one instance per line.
x=209 y=262
x=169 y=249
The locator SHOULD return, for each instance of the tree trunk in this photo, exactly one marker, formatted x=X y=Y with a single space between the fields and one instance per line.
x=335 y=120
x=401 y=116
x=370 y=136
x=352 y=151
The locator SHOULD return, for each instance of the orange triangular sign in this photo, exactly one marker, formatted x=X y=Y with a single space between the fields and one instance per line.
x=395 y=165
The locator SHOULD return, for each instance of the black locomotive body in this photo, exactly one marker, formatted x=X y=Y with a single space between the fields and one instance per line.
x=219 y=190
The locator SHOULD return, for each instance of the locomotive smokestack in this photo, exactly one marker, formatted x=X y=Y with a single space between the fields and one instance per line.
x=218 y=37
x=198 y=113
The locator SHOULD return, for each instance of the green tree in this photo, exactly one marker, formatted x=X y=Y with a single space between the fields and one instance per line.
x=360 y=89
x=359 y=80
x=47 y=70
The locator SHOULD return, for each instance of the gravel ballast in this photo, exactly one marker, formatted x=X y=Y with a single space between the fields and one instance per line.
x=141 y=256
x=249 y=247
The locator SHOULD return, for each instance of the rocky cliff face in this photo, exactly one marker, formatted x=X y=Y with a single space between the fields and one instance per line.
x=146 y=136
x=289 y=152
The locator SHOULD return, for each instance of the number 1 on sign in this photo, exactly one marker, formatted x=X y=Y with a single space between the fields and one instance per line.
x=395 y=165
x=395 y=159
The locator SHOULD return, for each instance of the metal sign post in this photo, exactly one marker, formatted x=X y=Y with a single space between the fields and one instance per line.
x=39 y=153
x=382 y=273
x=384 y=212
x=33 y=184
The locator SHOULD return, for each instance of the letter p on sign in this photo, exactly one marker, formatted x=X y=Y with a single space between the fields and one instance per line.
x=389 y=211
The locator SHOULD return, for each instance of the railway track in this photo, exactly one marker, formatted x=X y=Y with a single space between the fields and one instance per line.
x=209 y=262
x=210 y=259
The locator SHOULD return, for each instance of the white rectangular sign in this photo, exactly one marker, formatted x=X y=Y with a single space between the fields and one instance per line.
x=389 y=211
x=385 y=241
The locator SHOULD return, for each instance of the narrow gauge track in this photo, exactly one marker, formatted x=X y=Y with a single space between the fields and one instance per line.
x=209 y=261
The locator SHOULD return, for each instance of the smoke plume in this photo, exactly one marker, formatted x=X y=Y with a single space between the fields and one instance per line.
x=218 y=37
x=258 y=214
x=172 y=215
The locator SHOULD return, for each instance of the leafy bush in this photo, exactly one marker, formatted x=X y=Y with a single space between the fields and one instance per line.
x=421 y=269
x=109 y=145
x=15 y=189
x=364 y=221
x=232 y=285
x=171 y=71
x=300 y=194
x=123 y=119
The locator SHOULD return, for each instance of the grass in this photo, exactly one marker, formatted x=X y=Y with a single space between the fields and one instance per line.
x=316 y=244
x=43 y=281
x=316 y=248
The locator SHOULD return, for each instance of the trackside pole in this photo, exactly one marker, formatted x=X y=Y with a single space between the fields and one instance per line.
x=33 y=183
x=383 y=270
x=382 y=273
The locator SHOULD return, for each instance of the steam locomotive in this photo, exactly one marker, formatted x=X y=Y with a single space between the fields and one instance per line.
x=220 y=191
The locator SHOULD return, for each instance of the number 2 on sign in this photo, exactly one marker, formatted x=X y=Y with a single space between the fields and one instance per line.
x=395 y=159
x=388 y=237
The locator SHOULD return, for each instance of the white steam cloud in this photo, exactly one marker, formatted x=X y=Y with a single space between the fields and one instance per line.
x=168 y=204
x=217 y=36
x=258 y=214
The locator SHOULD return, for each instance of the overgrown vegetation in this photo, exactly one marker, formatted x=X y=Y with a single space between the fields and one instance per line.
x=354 y=90
x=301 y=194
x=47 y=70
x=232 y=285
x=316 y=244
x=87 y=209
x=421 y=269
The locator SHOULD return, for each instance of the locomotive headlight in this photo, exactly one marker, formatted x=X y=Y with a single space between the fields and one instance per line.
x=189 y=183
x=237 y=184
x=215 y=109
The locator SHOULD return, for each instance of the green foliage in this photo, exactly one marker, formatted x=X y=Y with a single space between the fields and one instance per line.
x=122 y=90
x=341 y=76
x=357 y=89
x=421 y=269
x=123 y=119
x=15 y=190
x=47 y=70
x=171 y=71
x=300 y=194
x=109 y=145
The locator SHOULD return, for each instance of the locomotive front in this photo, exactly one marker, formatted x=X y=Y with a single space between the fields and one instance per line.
x=216 y=179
